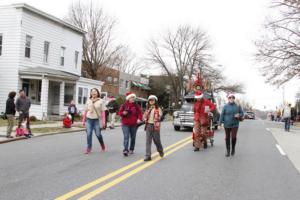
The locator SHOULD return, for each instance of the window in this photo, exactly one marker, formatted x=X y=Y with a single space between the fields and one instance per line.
x=82 y=95
x=1 y=38
x=69 y=93
x=46 y=51
x=62 y=56
x=109 y=79
x=116 y=80
x=28 y=46
x=34 y=91
x=76 y=58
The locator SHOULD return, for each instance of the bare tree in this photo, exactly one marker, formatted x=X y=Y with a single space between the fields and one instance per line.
x=177 y=54
x=99 y=51
x=279 y=48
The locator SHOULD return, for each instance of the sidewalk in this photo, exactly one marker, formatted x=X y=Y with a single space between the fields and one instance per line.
x=290 y=143
x=57 y=127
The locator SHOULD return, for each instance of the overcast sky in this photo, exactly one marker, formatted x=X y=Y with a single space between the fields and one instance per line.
x=232 y=25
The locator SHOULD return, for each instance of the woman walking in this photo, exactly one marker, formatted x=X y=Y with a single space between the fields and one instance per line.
x=152 y=119
x=10 y=112
x=202 y=108
x=231 y=115
x=131 y=115
x=94 y=119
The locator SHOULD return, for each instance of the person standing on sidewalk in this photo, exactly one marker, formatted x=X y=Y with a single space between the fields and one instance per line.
x=202 y=108
x=287 y=113
x=112 y=108
x=23 y=104
x=72 y=110
x=10 y=112
x=152 y=118
x=131 y=115
x=231 y=115
x=94 y=111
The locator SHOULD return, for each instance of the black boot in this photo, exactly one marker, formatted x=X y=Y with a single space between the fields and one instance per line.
x=227 y=147
x=233 y=142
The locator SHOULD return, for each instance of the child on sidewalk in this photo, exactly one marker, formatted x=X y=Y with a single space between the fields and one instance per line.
x=152 y=119
x=22 y=129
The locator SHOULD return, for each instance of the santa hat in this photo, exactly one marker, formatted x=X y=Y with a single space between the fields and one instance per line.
x=153 y=97
x=230 y=95
x=198 y=95
x=130 y=95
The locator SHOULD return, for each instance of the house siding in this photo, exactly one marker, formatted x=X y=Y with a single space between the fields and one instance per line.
x=10 y=19
x=58 y=36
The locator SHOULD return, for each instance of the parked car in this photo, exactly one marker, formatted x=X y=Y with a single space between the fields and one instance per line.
x=184 y=118
x=249 y=115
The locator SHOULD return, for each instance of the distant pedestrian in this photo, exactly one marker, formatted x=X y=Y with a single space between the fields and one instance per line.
x=112 y=107
x=131 y=115
x=202 y=108
x=287 y=114
x=152 y=117
x=94 y=111
x=23 y=104
x=10 y=112
x=231 y=115
x=72 y=109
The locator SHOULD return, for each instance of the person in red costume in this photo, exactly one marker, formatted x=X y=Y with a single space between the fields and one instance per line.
x=202 y=108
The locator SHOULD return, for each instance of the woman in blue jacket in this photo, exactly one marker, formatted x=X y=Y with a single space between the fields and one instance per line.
x=231 y=115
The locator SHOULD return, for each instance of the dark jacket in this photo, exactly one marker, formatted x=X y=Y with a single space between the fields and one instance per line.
x=72 y=109
x=23 y=104
x=227 y=115
x=10 y=107
x=112 y=106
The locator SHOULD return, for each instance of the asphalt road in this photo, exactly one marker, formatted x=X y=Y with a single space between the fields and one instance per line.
x=50 y=167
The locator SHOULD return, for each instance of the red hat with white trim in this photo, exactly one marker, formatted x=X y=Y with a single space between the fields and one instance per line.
x=198 y=95
x=130 y=95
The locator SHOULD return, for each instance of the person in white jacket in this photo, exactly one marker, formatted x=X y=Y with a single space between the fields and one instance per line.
x=287 y=113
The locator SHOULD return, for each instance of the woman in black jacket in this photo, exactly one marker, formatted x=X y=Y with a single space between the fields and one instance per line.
x=10 y=112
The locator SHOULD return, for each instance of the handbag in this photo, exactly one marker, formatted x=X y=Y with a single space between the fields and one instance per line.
x=101 y=118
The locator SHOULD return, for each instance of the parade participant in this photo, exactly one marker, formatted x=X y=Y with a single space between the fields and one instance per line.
x=94 y=111
x=231 y=115
x=202 y=109
x=152 y=118
x=131 y=115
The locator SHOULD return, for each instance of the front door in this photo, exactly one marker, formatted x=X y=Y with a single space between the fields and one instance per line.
x=53 y=98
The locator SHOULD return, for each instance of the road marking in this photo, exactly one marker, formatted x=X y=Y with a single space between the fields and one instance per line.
x=129 y=174
x=280 y=150
x=114 y=173
x=268 y=129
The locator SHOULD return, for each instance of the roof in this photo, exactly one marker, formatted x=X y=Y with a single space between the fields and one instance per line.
x=140 y=85
x=42 y=71
x=48 y=16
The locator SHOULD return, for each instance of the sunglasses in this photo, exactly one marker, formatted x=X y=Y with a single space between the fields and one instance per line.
x=231 y=97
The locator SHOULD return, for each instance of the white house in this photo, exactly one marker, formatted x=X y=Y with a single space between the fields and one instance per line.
x=41 y=54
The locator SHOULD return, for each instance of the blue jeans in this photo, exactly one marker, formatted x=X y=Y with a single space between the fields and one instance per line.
x=91 y=125
x=287 y=123
x=129 y=132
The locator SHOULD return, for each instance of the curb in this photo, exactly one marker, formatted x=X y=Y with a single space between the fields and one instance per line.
x=13 y=139
x=42 y=135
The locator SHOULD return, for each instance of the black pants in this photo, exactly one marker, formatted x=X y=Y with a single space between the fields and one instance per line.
x=73 y=117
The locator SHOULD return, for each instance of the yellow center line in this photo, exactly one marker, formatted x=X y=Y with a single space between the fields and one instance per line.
x=129 y=174
x=113 y=174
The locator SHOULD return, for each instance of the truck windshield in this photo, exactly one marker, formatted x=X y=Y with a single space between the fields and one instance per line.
x=187 y=107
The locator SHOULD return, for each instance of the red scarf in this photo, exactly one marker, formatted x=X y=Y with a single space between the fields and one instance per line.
x=156 y=118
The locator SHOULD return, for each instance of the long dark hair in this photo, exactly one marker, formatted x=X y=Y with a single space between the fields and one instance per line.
x=12 y=94
x=98 y=93
x=156 y=104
